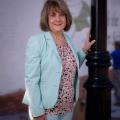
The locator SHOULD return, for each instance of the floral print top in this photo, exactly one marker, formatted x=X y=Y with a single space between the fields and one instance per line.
x=66 y=89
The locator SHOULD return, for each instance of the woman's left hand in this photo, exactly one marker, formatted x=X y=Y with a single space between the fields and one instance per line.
x=88 y=43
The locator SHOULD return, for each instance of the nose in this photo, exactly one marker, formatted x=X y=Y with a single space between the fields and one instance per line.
x=57 y=18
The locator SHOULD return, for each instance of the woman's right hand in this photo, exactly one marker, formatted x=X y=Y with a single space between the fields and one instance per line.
x=40 y=118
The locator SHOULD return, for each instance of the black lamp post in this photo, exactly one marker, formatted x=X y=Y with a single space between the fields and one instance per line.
x=98 y=86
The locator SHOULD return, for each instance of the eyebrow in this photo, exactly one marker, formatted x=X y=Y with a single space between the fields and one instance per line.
x=56 y=9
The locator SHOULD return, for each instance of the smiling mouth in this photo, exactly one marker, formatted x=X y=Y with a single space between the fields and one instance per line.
x=58 y=24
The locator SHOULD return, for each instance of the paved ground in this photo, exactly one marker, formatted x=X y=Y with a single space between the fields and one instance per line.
x=115 y=109
x=24 y=116
x=17 y=116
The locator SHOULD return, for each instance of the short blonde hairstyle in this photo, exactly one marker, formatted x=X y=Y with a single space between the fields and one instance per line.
x=54 y=5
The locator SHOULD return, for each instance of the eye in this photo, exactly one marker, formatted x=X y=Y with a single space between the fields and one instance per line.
x=62 y=14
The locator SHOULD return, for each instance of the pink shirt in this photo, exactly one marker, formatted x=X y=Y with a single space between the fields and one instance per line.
x=66 y=88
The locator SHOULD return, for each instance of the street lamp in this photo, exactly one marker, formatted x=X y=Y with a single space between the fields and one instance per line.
x=98 y=86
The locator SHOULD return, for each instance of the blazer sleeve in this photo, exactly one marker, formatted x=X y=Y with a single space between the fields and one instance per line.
x=32 y=76
x=81 y=56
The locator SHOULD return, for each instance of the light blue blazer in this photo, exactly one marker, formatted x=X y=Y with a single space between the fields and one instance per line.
x=43 y=69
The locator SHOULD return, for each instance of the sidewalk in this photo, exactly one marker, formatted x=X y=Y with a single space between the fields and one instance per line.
x=24 y=116
x=115 y=113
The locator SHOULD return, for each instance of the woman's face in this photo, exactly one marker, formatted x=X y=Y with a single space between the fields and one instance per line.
x=56 y=21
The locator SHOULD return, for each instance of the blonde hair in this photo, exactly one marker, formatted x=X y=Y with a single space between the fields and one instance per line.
x=54 y=5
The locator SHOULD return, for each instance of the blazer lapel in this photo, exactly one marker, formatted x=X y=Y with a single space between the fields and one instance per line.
x=72 y=48
x=52 y=44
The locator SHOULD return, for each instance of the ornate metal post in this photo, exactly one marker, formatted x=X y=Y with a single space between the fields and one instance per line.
x=98 y=86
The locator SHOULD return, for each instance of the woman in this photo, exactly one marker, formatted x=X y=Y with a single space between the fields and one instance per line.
x=52 y=64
